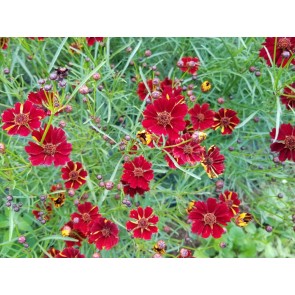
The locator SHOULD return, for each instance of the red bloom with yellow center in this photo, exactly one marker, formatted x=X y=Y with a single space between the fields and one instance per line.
x=22 y=119
x=68 y=230
x=189 y=152
x=87 y=214
x=4 y=43
x=54 y=149
x=231 y=200
x=92 y=40
x=288 y=97
x=213 y=162
x=138 y=173
x=278 y=50
x=189 y=64
x=226 y=119
x=144 y=223
x=208 y=218
x=74 y=175
x=202 y=116
x=285 y=143
x=70 y=252
x=104 y=234
x=165 y=116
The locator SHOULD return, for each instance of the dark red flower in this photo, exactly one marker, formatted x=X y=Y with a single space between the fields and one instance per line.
x=70 y=252
x=279 y=50
x=231 y=200
x=226 y=119
x=189 y=64
x=74 y=175
x=288 y=97
x=213 y=162
x=22 y=119
x=144 y=223
x=202 y=116
x=169 y=148
x=285 y=143
x=87 y=214
x=138 y=173
x=68 y=230
x=43 y=213
x=142 y=91
x=54 y=149
x=52 y=253
x=165 y=117
x=208 y=218
x=91 y=40
x=104 y=234
x=132 y=191
x=189 y=152
x=4 y=43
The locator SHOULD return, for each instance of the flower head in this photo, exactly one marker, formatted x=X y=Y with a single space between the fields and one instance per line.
x=22 y=119
x=4 y=43
x=142 y=91
x=213 y=162
x=202 y=116
x=288 y=97
x=54 y=149
x=132 y=191
x=68 y=230
x=104 y=234
x=70 y=252
x=91 y=40
x=231 y=200
x=275 y=48
x=74 y=175
x=189 y=64
x=143 y=224
x=285 y=143
x=208 y=218
x=226 y=119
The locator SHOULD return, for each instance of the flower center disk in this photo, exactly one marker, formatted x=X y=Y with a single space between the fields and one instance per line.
x=290 y=142
x=284 y=44
x=209 y=218
x=74 y=175
x=49 y=149
x=138 y=172
x=21 y=119
x=143 y=223
x=164 y=118
x=86 y=217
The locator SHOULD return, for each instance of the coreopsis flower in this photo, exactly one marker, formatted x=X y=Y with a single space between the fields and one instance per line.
x=189 y=64
x=44 y=99
x=165 y=116
x=54 y=148
x=208 y=218
x=142 y=91
x=160 y=247
x=75 y=45
x=22 y=119
x=278 y=50
x=231 y=200
x=206 y=86
x=52 y=253
x=91 y=40
x=86 y=214
x=74 y=175
x=68 y=230
x=190 y=151
x=144 y=136
x=213 y=162
x=143 y=224
x=201 y=116
x=169 y=148
x=104 y=234
x=138 y=173
x=44 y=212
x=288 y=97
x=4 y=43
x=285 y=143
x=70 y=252
x=132 y=191
x=226 y=119
x=243 y=219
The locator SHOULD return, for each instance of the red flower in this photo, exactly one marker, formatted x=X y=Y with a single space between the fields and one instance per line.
x=91 y=40
x=22 y=119
x=43 y=213
x=188 y=64
x=144 y=224
x=285 y=144
x=202 y=116
x=207 y=218
x=142 y=92
x=74 y=175
x=232 y=202
x=104 y=233
x=168 y=149
x=132 y=191
x=275 y=48
x=70 y=253
x=226 y=119
x=52 y=253
x=138 y=173
x=54 y=149
x=213 y=162
x=288 y=98
x=68 y=230
x=189 y=152
x=165 y=117
x=87 y=214
x=4 y=43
